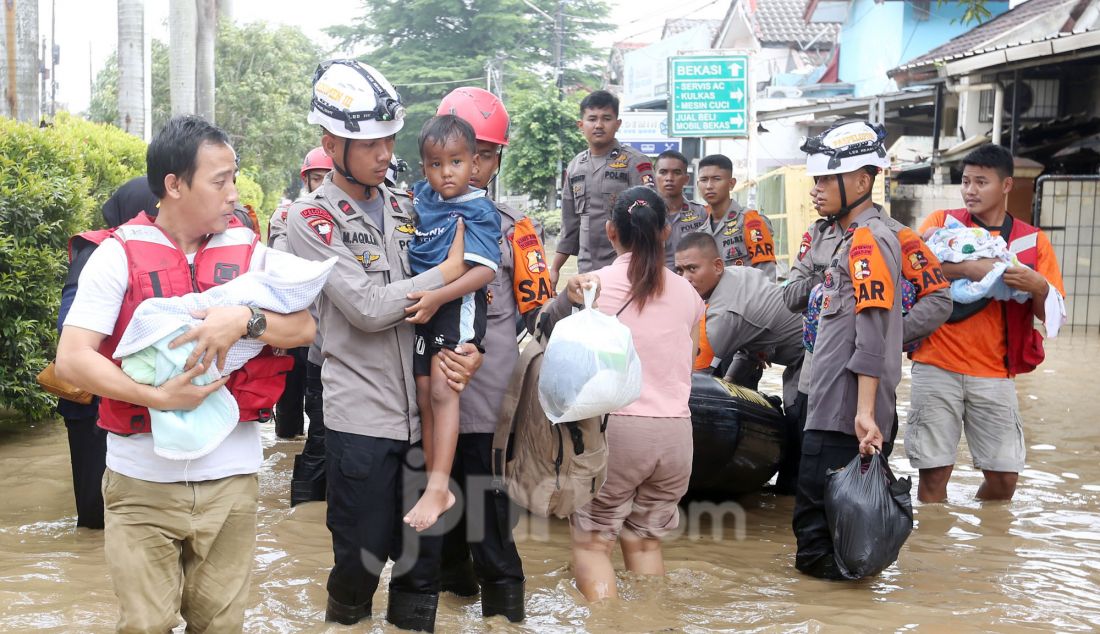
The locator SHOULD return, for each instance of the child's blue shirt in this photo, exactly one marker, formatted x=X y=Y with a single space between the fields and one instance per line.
x=437 y=221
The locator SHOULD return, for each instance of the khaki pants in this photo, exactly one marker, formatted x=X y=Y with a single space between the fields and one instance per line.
x=180 y=548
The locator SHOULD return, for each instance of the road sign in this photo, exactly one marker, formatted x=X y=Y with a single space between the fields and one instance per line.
x=709 y=96
x=646 y=132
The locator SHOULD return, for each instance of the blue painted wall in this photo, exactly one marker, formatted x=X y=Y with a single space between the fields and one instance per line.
x=880 y=36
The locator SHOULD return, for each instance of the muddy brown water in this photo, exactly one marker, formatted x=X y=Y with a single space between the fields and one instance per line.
x=1029 y=565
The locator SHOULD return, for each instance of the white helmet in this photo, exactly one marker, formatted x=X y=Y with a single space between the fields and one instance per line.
x=354 y=101
x=844 y=148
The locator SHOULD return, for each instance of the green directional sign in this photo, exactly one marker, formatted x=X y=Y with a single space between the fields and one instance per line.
x=708 y=96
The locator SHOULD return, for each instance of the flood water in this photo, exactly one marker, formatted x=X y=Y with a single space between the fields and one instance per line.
x=1029 y=565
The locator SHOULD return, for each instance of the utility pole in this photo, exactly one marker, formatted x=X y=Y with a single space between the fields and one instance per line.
x=559 y=35
x=55 y=53
x=44 y=74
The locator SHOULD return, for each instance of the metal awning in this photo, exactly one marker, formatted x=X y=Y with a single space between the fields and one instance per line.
x=855 y=105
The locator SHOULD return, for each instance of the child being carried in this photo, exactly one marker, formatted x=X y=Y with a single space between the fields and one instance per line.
x=456 y=313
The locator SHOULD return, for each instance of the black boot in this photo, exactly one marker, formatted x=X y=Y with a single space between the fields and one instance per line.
x=337 y=612
x=307 y=484
x=412 y=611
x=503 y=598
x=460 y=579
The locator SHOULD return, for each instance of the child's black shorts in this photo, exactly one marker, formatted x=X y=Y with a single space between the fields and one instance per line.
x=460 y=321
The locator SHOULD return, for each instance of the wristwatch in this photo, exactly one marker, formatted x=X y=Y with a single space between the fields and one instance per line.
x=257 y=324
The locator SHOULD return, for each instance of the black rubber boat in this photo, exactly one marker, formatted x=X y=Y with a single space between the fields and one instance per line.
x=738 y=437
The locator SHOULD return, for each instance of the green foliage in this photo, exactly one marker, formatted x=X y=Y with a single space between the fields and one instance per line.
x=44 y=198
x=975 y=11
x=544 y=138
x=249 y=192
x=103 y=107
x=550 y=219
x=427 y=48
x=264 y=78
x=110 y=157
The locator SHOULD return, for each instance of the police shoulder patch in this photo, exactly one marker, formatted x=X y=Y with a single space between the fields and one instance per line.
x=320 y=222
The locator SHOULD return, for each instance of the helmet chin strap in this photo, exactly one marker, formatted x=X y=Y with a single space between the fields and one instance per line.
x=845 y=208
x=346 y=172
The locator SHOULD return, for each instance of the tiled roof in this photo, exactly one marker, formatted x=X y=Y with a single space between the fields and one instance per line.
x=782 y=22
x=1000 y=25
x=677 y=26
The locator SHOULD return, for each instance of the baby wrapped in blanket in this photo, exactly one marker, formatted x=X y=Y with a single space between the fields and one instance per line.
x=146 y=357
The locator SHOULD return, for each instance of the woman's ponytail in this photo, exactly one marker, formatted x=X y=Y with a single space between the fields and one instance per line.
x=639 y=217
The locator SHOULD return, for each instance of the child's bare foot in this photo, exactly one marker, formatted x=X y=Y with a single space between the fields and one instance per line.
x=429 y=507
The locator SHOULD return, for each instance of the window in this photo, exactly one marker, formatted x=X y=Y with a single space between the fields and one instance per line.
x=1039 y=99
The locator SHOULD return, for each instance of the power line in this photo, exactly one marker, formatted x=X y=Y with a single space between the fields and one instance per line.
x=438 y=83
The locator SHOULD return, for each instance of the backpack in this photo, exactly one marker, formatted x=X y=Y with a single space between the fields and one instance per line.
x=548 y=469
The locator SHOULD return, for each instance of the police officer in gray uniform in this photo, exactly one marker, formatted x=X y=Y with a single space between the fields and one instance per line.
x=684 y=216
x=745 y=310
x=593 y=179
x=931 y=309
x=370 y=412
x=744 y=236
x=857 y=363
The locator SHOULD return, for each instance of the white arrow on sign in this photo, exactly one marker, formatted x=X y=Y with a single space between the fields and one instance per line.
x=735 y=69
x=737 y=95
x=737 y=120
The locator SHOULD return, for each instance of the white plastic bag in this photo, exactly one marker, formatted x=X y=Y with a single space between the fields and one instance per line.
x=590 y=367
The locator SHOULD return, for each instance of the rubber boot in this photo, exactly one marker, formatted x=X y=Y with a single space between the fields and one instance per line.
x=412 y=611
x=460 y=579
x=337 y=612
x=505 y=599
x=305 y=489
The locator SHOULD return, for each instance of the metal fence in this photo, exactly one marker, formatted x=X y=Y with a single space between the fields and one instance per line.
x=1067 y=208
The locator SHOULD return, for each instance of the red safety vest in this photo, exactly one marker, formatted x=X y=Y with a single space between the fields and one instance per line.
x=158 y=268
x=1023 y=343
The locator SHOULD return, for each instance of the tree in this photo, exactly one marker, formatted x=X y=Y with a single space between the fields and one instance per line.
x=103 y=107
x=426 y=48
x=131 y=66
x=206 y=31
x=263 y=98
x=182 y=42
x=264 y=90
x=544 y=133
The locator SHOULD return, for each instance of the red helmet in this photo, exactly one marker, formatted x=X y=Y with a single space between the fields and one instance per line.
x=481 y=109
x=316 y=160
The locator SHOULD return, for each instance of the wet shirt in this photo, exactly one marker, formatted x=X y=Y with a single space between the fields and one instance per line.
x=746 y=312
x=860 y=330
x=480 y=404
x=975 y=346
x=744 y=238
x=437 y=222
x=592 y=183
x=691 y=217
x=367 y=344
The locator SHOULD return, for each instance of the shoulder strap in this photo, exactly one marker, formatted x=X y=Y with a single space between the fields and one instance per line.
x=506 y=421
x=628 y=302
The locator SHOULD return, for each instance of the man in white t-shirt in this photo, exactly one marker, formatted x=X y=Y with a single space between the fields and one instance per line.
x=179 y=534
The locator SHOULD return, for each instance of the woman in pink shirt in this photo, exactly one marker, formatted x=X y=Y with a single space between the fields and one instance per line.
x=649 y=441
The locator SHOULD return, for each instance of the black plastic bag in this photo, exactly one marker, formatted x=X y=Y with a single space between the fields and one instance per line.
x=870 y=515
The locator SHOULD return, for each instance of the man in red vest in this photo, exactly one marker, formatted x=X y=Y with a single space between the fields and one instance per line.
x=962 y=373
x=179 y=535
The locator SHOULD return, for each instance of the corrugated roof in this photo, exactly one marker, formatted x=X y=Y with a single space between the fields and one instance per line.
x=982 y=34
x=782 y=22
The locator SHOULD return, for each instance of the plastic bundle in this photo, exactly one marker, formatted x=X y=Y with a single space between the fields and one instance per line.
x=870 y=514
x=590 y=367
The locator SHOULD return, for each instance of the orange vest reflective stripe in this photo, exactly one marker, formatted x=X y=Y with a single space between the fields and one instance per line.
x=530 y=274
